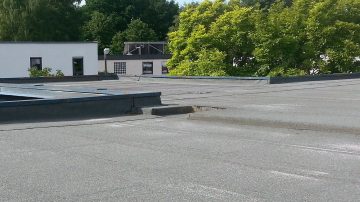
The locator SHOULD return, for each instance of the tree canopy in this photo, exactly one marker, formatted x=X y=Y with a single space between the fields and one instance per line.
x=284 y=38
x=39 y=20
x=99 y=20
x=136 y=31
x=213 y=37
x=106 y=19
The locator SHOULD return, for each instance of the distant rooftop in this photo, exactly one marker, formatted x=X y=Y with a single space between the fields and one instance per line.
x=136 y=57
x=145 y=48
x=146 y=42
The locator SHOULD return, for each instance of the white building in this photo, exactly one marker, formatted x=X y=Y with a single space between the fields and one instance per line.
x=72 y=58
x=139 y=58
x=135 y=64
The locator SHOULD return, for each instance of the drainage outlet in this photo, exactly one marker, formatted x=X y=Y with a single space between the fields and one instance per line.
x=173 y=110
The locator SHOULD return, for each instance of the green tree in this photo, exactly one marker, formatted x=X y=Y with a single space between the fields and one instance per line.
x=220 y=26
x=231 y=34
x=333 y=31
x=309 y=35
x=39 y=20
x=157 y=14
x=280 y=39
x=100 y=28
x=263 y=4
x=136 y=31
x=208 y=63
x=192 y=35
x=287 y=38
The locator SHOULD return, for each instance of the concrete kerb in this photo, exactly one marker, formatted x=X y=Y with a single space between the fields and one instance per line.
x=167 y=110
x=293 y=79
x=253 y=80
x=201 y=113
x=204 y=80
x=75 y=108
x=201 y=77
x=261 y=122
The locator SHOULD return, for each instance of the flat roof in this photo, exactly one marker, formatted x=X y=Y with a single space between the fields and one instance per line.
x=282 y=140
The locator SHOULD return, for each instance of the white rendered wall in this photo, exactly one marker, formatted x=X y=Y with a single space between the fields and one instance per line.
x=133 y=67
x=15 y=57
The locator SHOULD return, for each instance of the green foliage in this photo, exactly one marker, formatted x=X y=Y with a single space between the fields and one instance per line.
x=136 y=31
x=230 y=33
x=192 y=41
x=263 y=4
x=117 y=43
x=276 y=38
x=45 y=72
x=333 y=29
x=158 y=14
x=286 y=72
x=218 y=26
x=35 y=72
x=59 y=73
x=209 y=63
x=39 y=20
x=100 y=28
x=234 y=37
x=107 y=20
x=98 y=20
x=279 y=38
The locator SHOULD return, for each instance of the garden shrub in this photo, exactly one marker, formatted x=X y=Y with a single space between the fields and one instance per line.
x=45 y=72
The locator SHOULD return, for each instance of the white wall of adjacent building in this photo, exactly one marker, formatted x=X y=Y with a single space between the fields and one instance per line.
x=15 y=57
x=134 y=67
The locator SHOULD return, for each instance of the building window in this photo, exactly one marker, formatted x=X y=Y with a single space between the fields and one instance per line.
x=120 y=67
x=36 y=62
x=147 y=68
x=164 y=68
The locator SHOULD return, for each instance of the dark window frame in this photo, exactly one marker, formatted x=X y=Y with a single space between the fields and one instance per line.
x=39 y=66
x=144 y=71
x=164 y=69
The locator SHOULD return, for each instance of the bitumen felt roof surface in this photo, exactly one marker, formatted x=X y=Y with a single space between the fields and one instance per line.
x=53 y=92
x=256 y=142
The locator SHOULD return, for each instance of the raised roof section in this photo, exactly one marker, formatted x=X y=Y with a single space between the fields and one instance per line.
x=145 y=48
